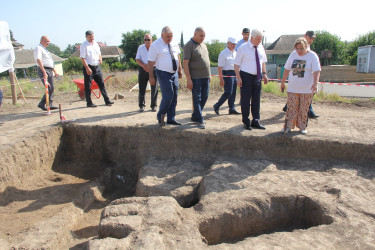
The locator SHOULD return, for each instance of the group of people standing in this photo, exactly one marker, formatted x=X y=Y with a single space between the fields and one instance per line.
x=240 y=64
x=245 y=68
x=91 y=60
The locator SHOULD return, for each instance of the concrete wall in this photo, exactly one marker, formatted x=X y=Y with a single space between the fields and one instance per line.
x=59 y=68
x=344 y=73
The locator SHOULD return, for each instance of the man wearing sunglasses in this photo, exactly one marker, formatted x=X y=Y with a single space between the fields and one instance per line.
x=143 y=76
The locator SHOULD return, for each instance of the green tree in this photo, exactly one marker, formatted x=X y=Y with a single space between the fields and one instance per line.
x=131 y=41
x=73 y=64
x=70 y=49
x=11 y=36
x=53 y=48
x=326 y=41
x=352 y=47
x=214 y=48
x=182 y=44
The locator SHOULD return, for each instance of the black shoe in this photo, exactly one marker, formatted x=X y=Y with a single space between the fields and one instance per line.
x=174 y=123
x=53 y=108
x=313 y=115
x=153 y=109
x=247 y=127
x=234 y=112
x=216 y=110
x=256 y=124
x=109 y=103
x=42 y=107
x=91 y=105
x=161 y=121
x=194 y=120
x=285 y=108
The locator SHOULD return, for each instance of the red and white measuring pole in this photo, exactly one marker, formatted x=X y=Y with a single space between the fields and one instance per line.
x=46 y=84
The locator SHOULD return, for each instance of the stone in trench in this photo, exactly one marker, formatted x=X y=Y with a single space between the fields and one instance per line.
x=180 y=179
x=146 y=223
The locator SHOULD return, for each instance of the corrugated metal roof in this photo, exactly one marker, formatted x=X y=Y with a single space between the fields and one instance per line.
x=107 y=52
x=25 y=58
x=283 y=45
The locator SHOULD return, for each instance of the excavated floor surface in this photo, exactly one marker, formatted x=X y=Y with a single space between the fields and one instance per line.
x=108 y=181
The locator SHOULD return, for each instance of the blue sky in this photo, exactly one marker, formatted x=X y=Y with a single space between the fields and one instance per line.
x=66 y=21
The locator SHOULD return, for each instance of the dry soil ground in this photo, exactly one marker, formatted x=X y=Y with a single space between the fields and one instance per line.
x=18 y=209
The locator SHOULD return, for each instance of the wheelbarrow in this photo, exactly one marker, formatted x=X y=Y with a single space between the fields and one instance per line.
x=81 y=87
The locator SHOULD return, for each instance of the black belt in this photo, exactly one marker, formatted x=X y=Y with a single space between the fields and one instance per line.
x=48 y=68
x=93 y=66
x=229 y=70
x=248 y=73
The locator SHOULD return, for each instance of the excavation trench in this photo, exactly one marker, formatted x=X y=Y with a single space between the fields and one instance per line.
x=267 y=216
x=110 y=161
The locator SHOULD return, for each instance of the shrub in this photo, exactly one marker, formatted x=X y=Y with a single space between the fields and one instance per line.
x=73 y=64
x=132 y=64
x=274 y=88
x=117 y=66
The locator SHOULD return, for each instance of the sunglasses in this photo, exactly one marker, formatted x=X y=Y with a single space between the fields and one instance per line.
x=146 y=40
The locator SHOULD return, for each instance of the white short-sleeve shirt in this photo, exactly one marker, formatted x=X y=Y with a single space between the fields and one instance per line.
x=245 y=57
x=142 y=54
x=159 y=53
x=226 y=59
x=41 y=53
x=301 y=71
x=90 y=52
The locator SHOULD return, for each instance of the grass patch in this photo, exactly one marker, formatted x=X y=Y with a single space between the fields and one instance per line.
x=321 y=96
x=372 y=99
x=273 y=88
x=65 y=85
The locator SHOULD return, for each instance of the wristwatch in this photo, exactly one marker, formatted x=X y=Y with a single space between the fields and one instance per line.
x=264 y=73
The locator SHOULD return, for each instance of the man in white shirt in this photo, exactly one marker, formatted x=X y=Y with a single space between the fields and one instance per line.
x=227 y=76
x=46 y=68
x=250 y=67
x=91 y=58
x=245 y=37
x=143 y=76
x=164 y=54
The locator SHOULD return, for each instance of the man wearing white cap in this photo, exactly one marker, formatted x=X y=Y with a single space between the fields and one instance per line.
x=227 y=76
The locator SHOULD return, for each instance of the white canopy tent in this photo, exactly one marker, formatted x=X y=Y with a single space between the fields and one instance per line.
x=6 y=48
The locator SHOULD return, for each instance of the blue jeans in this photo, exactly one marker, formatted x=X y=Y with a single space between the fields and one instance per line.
x=200 y=96
x=230 y=88
x=169 y=90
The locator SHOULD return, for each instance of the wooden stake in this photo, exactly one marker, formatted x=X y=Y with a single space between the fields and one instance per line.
x=20 y=89
x=13 y=88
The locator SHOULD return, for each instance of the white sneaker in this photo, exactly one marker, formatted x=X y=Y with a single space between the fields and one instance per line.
x=285 y=131
x=303 y=131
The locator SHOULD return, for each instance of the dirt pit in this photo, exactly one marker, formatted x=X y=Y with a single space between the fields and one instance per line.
x=126 y=187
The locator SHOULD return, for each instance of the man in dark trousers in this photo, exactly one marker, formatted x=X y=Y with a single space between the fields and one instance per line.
x=91 y=58
x=46 y=69
x=164 y=55
x=198 y=73
x=143 y=76
x=250 y=68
